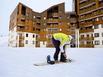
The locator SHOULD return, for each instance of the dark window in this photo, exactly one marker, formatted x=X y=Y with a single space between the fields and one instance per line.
x=96 y=26
x=87 y=35
x=26 y=35
x=97 y=42
x=33 y=36
x=96 y=35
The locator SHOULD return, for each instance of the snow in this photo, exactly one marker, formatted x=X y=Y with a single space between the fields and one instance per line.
x=3 y=41
x=18 y=62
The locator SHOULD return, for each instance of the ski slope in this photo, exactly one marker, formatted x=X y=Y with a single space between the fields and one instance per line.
x=18 y=62
x=3 y=41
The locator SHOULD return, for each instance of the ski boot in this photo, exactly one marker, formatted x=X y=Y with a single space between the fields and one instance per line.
x=49 y=60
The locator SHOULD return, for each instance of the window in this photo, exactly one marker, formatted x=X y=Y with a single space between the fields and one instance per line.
x=96 y=26
x=33 y=42
x=101 y=25
x=102 y=42
x=33 y=36
x=102 y=34
x=96 y=35
x=87 y=35
x=26 y=35
x=97 y=42
x=26 y=42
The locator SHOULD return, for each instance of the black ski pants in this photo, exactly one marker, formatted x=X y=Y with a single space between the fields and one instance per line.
x=56 y=44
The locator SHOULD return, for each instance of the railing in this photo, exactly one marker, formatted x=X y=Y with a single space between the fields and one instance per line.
x=86 y=38
x=82 y=1
x=101 y=4
x=94 y=14
x=55 y=15
x=90 y=9
x=52 y=20
x=21 y=37
x=88 y=30
x=86 y=45
x=21 y=45
x=86 y=3
x=90 y=45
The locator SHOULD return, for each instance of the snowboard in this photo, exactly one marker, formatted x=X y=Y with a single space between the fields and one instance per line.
x=45 y=63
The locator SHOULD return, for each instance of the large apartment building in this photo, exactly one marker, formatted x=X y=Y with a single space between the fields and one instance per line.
x=33 y=29
x=90 y=22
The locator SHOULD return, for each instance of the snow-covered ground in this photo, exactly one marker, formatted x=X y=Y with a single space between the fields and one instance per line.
x=18 y=62
x=3 y=41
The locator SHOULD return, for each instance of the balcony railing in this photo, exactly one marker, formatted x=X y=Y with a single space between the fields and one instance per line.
x=86 y=3
x=90 y=9
x=21 y=44
x=52 y=20
x=86 y=38
x=21 y=37
x=89 y=5
x=101 y=4
x=55 y=14
x=81 y=1
x=95 y=14
x=85 y=31
x=86 y=45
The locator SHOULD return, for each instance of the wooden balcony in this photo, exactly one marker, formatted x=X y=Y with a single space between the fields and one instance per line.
x=52 y=20
x=21 y=23
x=98 y=22
x=86 y=38
x=81 y=1
x=86 y=46
x=55 y=15
x=101 y=4
x=88 y=6
x=89 y=45
x=87 y=10
x=86 y=3
x=21 y=37
x=85 y=31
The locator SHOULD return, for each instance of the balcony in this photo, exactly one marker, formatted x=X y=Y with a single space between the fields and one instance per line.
x=101 y=4
x=21 y=37
x=89 y=45
x=86 y=24
x=86 y=3
x=52 y=20
x=90 y=10
x=92 y=15
x=86 y=38
x=89 y=38
x=81 y=1
x=55 y=15
x=21 y=45
x=98 y=22
x=86 y=45
x=87 y=6
x=87 y=10
x=85 y=31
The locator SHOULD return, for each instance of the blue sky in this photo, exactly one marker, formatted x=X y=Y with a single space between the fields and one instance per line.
x=7 y=7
